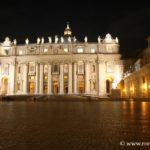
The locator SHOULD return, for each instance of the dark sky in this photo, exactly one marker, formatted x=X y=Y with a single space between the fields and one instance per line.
x=129 y=21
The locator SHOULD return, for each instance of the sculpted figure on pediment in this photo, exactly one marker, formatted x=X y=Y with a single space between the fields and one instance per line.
x=7 y=42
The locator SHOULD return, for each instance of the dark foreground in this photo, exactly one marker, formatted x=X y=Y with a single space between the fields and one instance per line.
x=74 y=125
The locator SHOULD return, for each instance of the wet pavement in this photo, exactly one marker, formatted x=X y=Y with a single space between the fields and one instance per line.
x=71 y=125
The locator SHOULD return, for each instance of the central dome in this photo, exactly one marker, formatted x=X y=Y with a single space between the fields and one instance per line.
x=67 y=31
x=68 y=38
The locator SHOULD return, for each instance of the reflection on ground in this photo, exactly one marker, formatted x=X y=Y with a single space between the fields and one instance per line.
x=67 y=125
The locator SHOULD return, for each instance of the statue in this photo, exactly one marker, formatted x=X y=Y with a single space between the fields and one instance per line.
x=27 y=41
x=7 y=42
x=116 y=40
x=99 y=39
x=108 y=38
x=56 y=39
x=50 y=39
x=15 y=42
x=69 y=39
x=38 y=40
x=86 y=39
x=74 y=39
x=42 y=40
x=62 y=40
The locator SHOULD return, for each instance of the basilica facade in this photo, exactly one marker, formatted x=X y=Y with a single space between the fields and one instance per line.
x=63 y=65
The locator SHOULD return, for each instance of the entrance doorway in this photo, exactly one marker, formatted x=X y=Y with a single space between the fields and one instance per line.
x=31 y=87
x=4 y=85
x=65 y=84
x=55 y=87
x=81 y=85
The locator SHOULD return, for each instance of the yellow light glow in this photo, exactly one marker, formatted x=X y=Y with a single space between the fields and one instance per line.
x=46 y=77
x=92 y=50
x=45 y=50
x=149 y=86
x=32 y=77
x=66 y=50
x=131 y=89
x=124 y=90
x=80 y=50
x=20 y=52
x=144 y=86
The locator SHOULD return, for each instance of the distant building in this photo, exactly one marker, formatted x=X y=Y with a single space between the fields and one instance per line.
x=136 y=82
x=63 y=65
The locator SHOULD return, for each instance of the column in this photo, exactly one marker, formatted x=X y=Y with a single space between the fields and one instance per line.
x=118 y=73
x=70 y=79
x=37 y=79
x=75 y=78
x=87 y=78
x=61 y=81
x=12 y=78
x=102 y=78
x=41 y=78
x=25 y=77
x=97 y=78
x=49 y=79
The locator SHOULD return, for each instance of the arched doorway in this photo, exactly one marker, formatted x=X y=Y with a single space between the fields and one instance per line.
x=31 y=87
x=107 y=86
x=81 y=84
x=4 y=85
x=55 y=87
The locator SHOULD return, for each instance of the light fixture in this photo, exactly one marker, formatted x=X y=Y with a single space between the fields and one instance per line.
x=20 y=52
x=80 y=50
x=92 y=50
x=66 y=50
x=45 y=50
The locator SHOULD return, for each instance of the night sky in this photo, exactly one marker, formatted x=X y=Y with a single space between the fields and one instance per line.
x=129 y=21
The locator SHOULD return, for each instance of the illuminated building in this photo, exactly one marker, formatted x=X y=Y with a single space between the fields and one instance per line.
x=63 y=65
x=136 y=82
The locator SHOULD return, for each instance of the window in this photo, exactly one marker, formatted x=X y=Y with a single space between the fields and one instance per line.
x=55 y=68
x=66 y=50
x=80 y=68
x=20 y=52
x=45 y=50
x=65 y=68
x=31 y=68
x=92 y=50
x=45 y=69
x=80 y=50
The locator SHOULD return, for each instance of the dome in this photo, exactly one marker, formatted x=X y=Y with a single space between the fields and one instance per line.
x=67 y=31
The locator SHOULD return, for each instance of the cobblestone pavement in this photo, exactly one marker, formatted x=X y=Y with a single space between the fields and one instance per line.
x=81 y=125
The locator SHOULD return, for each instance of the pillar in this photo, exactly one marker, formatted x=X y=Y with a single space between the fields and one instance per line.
x=87 y=78
x=61 y=81
x=41 y=78
x=37 y=79
x=25 y=81
x=75 y=78
x=102 y=78
x=12 y=79
x=70 y=79
x=49 y=79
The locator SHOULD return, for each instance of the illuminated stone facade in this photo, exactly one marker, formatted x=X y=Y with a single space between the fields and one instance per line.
x=62 y=65
x=136 y=82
